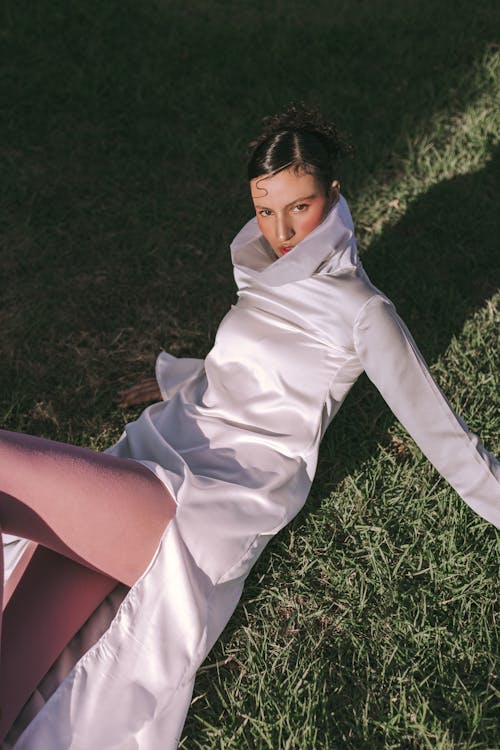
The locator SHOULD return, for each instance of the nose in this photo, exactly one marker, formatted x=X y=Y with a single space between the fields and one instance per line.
x=284 y=230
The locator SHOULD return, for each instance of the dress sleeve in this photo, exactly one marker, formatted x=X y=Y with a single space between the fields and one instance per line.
x=394 y=364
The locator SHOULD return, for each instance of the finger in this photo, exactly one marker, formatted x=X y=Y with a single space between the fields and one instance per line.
x=124 y=399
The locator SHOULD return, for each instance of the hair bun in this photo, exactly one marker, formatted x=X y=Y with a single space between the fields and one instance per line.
x=301 y=118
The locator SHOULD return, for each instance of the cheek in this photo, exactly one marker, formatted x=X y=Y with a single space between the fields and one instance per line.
x=264 y=228
x=312 y=218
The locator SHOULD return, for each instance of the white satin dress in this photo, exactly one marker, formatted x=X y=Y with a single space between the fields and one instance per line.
x=236 y=440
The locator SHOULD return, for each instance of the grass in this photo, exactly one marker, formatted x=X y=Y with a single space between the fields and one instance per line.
x=370 y=621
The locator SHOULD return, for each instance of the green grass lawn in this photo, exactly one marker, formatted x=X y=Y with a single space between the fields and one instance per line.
x=369 y=622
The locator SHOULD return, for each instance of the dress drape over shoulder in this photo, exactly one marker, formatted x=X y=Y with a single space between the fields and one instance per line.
x=235 y=441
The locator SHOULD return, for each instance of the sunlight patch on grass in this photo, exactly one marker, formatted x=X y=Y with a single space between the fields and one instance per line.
x=450 y=144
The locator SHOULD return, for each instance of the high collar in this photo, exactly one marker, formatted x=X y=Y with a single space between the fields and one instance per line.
x=325 y=246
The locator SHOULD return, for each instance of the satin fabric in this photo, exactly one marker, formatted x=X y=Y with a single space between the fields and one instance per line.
x=235 y=441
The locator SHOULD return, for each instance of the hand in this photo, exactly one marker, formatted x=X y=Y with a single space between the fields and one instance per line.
x=140 y=393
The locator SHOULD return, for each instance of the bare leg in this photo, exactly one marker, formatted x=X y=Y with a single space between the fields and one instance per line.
x=103 y=512
x=52 y=601
x=106 y=512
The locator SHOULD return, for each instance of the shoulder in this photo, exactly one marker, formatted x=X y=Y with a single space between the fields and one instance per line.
x=374 y=303
x=380 y=330
x=355 y=295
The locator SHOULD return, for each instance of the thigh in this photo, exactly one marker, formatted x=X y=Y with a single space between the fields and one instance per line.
x=103 y=511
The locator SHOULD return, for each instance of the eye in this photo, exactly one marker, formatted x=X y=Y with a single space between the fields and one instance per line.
x=301 y=207
x=264 y=212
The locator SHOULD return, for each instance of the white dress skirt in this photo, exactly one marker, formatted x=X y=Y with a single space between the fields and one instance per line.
x=235 y=441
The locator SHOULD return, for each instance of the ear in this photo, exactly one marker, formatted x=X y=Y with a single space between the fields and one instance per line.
x=334 y=193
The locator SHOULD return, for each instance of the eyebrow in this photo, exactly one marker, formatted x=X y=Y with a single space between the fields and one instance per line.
x=297 y=200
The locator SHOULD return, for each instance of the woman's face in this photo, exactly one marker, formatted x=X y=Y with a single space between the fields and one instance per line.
x=289 y=205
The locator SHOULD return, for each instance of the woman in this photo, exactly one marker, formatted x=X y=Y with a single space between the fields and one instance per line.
x=222 y=463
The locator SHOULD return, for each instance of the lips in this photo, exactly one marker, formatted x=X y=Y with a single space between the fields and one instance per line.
x=286 y=248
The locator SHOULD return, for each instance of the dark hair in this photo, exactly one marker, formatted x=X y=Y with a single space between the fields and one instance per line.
x=300 y=139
